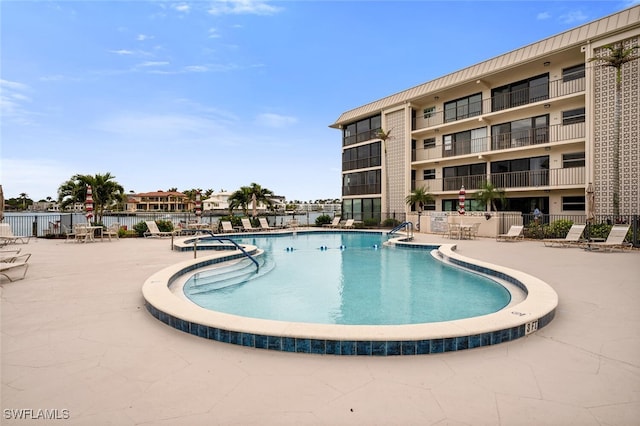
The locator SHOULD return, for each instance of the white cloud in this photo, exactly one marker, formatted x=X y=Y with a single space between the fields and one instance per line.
x=153 y=64
x=13 y=100
x=213 y=33
x=573 y=17
x=37 y=177
x=122 y=52
x=543 y=15
x=275 y=120
x=182 y=7
x=143 y=37
x=241 y=7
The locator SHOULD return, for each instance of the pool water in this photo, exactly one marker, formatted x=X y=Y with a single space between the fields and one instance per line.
x=344 y=278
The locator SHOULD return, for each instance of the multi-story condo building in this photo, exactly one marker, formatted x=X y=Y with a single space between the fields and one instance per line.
x=537 y=122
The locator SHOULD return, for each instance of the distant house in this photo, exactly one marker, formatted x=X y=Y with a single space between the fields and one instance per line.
x=217 y=201
x=158 y=201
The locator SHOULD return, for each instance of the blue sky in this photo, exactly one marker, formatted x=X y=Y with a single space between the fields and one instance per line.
x=220 y=94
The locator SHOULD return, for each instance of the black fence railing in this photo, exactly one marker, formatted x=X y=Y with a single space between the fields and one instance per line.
x=557 y=225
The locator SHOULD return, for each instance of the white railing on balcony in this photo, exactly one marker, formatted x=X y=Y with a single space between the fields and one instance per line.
x=534 y=179
x=549 y=90
x=520 y=138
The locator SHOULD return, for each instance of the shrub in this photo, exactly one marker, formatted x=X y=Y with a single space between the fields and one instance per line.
x=140 y=228
x=559 y=228
x=164 y=225
x=390 y=223
x=371 y=222
x=324 y=219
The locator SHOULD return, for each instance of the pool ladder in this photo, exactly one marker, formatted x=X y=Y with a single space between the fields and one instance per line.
x=407 y=225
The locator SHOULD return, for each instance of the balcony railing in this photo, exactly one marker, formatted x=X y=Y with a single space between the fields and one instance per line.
x=520 y=138
x=550 y=178
x=550 y=90
x=361 y=189
x=360 y=137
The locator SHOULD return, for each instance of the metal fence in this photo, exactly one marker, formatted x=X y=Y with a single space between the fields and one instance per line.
x=556 y=226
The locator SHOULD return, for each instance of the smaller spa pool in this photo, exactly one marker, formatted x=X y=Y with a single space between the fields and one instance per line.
x=344 y=278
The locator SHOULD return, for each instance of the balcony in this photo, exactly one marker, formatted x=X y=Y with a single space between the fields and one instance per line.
x=551 y=90
x=532 y=179
x=517 y=139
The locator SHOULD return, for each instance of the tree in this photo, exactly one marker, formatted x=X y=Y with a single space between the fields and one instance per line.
x=617 y=55
x=105 y=190
x=420 y=197
x=488 y=194
x=259 y=195
x=24 y=197
x=240 y=199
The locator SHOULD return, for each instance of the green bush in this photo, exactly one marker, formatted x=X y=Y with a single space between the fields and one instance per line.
x=164 y=225
x=324 y=219
x=559 y=228
x=140 y=228
x=390 y=223
x=600 y=230
x=371 y=222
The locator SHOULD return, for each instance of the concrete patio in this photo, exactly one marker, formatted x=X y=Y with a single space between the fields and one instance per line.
x=78 y=342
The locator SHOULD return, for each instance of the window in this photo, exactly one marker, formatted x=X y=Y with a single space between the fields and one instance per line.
x=361 y=183
x=362 y=157
x=573 y=116
x=573 y=73
x=520 y=93
x=466 y=107
x=464 y=142
x=429 y=112
x=573 y=160
x=528 y=131
x=573 y=203
x=429 y=174
x=362 y=130
x=429 y=143
x=469 y=175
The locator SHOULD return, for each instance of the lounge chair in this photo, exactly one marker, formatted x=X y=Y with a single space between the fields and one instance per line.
x=19 y=261
x=514 y=234
x=247 y=226
x=8 y=237
x=572 y=238
x=111 y=231
x=226 y=226
x=264 y=224
x=335 y=223
x=154 y=231
x=615 y=240
x=348 y=224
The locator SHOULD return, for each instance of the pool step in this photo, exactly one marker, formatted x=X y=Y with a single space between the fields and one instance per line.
x=223 y=277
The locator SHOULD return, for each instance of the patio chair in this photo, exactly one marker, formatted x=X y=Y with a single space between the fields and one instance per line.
x=454 y=230
x=264 y=224
x=615 y=240
x=17 y=262
x=471 y=231
x=572 y=238
x=335 y=223
x=82 y=233
x=154 y=231
x=348 y=224
x=247 y=226
x=111 y=230
x=7 y=235
x=293 y=223
x=226 y=226
x=514 y=234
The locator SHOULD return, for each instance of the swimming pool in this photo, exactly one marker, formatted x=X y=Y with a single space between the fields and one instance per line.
x=519 y=319
x=344 y=278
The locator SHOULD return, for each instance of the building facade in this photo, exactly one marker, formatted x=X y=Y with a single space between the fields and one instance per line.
x=537 y=122
x=159 y=201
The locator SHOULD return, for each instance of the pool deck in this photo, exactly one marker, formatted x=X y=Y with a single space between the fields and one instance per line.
x=76 y=338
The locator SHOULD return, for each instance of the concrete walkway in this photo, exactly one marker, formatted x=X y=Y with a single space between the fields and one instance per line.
x=78 y=342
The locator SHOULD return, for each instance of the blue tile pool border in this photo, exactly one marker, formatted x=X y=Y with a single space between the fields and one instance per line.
x=351 y=347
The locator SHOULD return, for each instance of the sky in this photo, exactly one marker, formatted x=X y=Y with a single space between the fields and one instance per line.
x=221 y=94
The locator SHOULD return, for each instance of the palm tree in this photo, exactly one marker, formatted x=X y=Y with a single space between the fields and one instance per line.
x=488 y=194
x=259 y=195
x=240 y=199
x=419 y=197
x=23 y=197
x=617 y=55
x=106 y=191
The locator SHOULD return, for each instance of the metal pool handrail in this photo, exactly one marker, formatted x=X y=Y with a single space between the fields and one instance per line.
x=222 y=239
x=408 y=225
